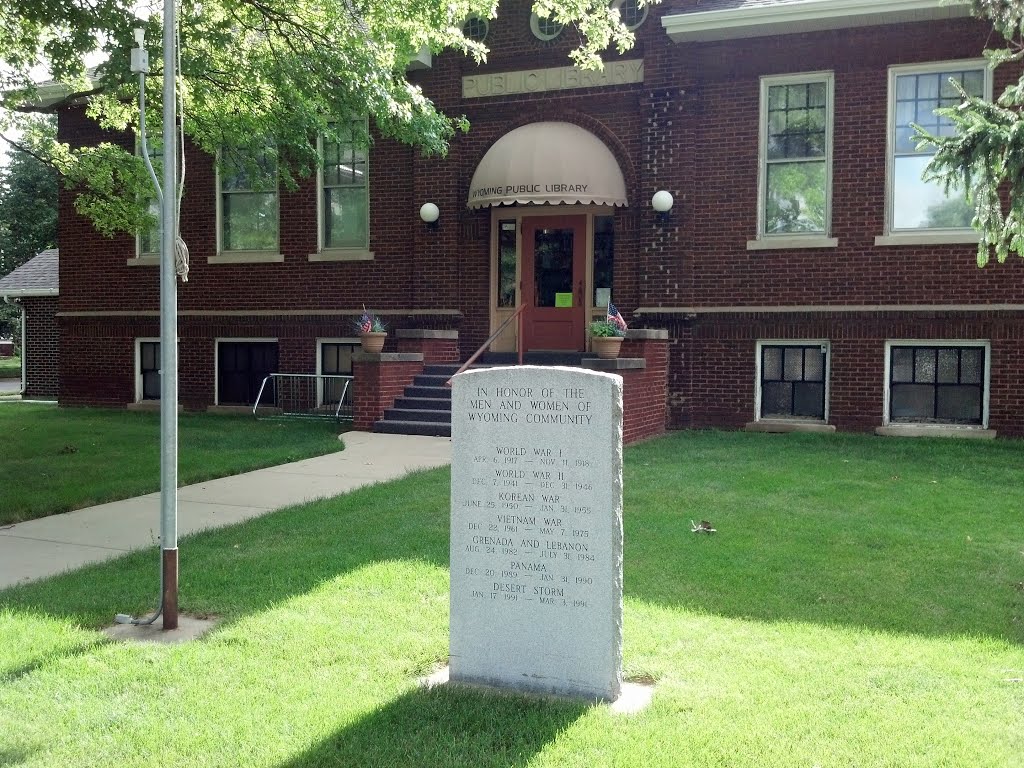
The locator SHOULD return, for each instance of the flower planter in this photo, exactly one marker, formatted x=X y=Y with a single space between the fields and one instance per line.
x=372 y=341
x=606 y=347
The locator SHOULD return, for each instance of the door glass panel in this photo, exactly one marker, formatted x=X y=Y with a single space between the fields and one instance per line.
x=552 y=274
x=604 y=259
x=507 y=264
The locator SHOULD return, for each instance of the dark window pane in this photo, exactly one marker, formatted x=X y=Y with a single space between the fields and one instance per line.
x=604 y=258
x=772 y=365
x=913 y=402
x=776 y=399
x=809 y=400
x=960 y=404
x=336 y=358
x=242 y=366
x=506 y=263
x=924 y=366
x=552 y=265
x=948 y=366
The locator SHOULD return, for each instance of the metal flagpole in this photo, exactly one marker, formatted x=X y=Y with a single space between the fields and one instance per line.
x=169 y=332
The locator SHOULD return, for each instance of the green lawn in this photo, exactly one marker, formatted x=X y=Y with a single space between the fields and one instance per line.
x=861 y=605
x=10 y=367
x=56 y=459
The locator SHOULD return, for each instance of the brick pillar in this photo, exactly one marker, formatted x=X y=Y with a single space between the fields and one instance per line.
x=378 y=380
x=435 y=346
x=643 y=366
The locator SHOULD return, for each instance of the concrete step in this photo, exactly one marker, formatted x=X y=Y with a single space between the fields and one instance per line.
x=437 y=393
x=428 y=403
x=413 y=428
x=441 y=369
x=417 y=414
x=427 y=380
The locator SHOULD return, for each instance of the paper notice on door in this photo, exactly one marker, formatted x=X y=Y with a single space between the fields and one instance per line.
x=563 y=299
x=602 y=296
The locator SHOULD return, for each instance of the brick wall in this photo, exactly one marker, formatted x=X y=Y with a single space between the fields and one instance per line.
x=40 y=356
x=713 y=374
x=691 y=127
x=644 y=390
x=379 y=379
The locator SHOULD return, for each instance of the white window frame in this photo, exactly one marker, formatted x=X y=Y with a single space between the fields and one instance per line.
x=765 y=240
x=242 y=256
x=826 y=345
x=141 y=256
x=920 y=236
x=350 y=253
x=986 y=379
x=535 y=22
x=236 y=339
x=644 y=10
x=477 y=17
x=139 y=341
x=353 y=340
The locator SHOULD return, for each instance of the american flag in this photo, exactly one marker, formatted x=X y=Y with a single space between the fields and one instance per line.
x=615 y=318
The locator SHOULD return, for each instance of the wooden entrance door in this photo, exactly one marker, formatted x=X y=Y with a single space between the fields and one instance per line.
x=553 y=271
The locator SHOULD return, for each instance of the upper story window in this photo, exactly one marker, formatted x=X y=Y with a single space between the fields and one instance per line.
x=915 y=205
x=148 y=242
x=344 y=193
x=476 y=28
x=795 y=174
x=545 y=29
x=247 y=203
x=631 y=12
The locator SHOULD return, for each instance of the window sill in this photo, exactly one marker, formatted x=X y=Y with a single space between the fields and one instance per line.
x=342 y=254
x=246 y=257
x=144 y=261
x=935 y=430
x=234 y=410
x=780 y=426
x=929 y=238
x=147 y=406
x=796 y=241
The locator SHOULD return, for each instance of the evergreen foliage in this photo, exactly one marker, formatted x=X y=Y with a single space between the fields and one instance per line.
x=985 y=156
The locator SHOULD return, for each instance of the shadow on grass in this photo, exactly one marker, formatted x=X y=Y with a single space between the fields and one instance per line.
x=246 y=568
x=15 y=756
x=24 y=670
x=442 y=728
x=887 y=535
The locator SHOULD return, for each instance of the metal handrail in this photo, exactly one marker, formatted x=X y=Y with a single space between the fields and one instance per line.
x=318 y=376
x=517 y=314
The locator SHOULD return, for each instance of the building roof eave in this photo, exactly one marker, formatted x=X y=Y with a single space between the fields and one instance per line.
x=804 y=16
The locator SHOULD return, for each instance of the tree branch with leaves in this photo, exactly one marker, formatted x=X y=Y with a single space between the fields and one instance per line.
x=253 y=69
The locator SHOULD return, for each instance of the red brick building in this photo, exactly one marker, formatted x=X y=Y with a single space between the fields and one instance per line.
x=806 y=277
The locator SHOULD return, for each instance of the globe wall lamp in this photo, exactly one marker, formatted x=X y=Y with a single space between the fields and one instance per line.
x=662 y=204
x=430 y=214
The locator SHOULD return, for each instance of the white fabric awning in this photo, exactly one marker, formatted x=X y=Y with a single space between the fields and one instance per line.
x=549 y=162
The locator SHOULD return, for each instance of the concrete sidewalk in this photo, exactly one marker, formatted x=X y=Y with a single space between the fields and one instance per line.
x=50 y=545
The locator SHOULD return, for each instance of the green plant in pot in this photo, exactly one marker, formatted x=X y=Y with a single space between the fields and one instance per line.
x=606 y=338
x=372 y=332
